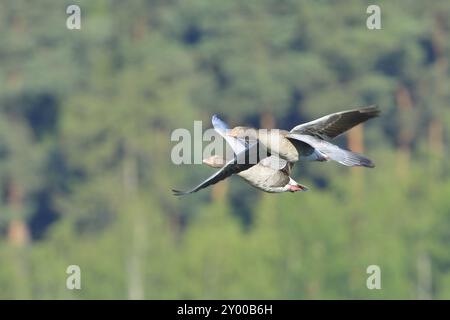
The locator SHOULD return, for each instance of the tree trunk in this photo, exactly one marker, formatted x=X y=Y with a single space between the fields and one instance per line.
x=267 y=120
x=405 y=106
x=435 y=130
x=219 y=191
x=355 y=141
x=424 y=277
x=18 y=234
x=18 y=238
x=134 y=260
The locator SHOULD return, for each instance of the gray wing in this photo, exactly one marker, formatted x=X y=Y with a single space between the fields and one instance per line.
x=236 y=165
x=333 y=152
x=333 y=125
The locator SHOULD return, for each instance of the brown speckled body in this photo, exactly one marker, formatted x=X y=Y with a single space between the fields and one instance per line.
x=276 y=142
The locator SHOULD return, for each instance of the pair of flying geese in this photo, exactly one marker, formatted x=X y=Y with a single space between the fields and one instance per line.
x=308 y=141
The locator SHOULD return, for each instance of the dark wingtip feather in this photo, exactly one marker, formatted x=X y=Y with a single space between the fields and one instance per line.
x=304 y=188
x=353 y=159
x=369 y=165
x=178 y=192
x=366 y=163
x=371 y=111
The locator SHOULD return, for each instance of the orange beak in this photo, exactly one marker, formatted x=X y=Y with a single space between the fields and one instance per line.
x=298 y=187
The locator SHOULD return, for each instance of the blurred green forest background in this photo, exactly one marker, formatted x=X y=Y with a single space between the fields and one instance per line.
x=85 y=172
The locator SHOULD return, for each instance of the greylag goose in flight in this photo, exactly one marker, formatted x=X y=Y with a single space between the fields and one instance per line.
x=271 y=174
x=308 y=141
x=266 y=175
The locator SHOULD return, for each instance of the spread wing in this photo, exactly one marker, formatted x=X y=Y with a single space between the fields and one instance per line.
x=237 y=145
x=333 y=152
x=237 y=164
x=334 y=124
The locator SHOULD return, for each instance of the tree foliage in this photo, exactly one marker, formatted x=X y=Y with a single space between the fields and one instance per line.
x=85 y=172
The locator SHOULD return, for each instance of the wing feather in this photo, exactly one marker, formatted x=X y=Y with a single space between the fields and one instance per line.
x=236 y=165
x=236 y=144
x=333 y=152
x=333 y=125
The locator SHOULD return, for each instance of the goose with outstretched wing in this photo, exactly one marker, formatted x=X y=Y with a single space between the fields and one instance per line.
x=270 y=174
x=309 y=141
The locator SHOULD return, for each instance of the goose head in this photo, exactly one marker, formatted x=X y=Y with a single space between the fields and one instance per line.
x=214 y=161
